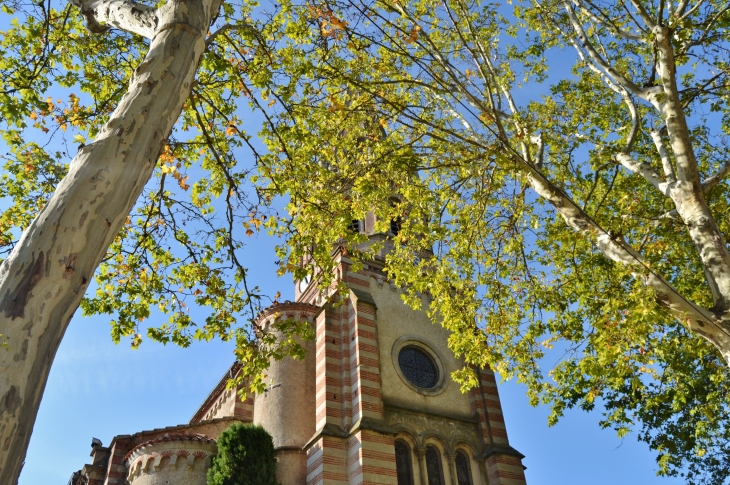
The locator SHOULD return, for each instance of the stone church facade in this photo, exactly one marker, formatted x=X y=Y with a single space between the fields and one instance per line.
x=372 y=403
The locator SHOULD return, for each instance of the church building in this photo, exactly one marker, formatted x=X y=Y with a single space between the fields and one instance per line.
x=372 y=403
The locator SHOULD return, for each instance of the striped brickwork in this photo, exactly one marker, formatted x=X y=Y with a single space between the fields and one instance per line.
x=371 y=458
x=485 y=401
x=116 y=470
x=367 y=399
x=332 y=379
x=504 y=464
x=348 y=393
x=327 y=461
x=505 y=469
x=364 y=359
x=242 y=410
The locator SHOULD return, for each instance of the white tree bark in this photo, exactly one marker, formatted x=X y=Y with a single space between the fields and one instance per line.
x=687 y=192
x=101 y=15
x=44 y=278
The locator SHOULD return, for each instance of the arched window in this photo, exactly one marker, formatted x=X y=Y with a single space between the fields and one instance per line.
x=397 y=222
x=395 y=225
x=463 y=474
x=433 y=466
x=403 y=463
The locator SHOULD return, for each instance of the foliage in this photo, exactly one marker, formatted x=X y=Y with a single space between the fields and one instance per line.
x=184 y=244
x=520 y=184
x=427 y=112
x=245 y=457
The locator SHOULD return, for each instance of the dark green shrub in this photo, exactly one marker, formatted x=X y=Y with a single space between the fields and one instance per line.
x=245 y=457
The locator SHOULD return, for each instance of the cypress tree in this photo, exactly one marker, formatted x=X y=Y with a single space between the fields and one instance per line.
x=245 y=457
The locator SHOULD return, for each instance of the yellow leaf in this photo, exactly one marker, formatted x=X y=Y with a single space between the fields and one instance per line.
x=337 y=23
x=33 y=116
x=231 y=130
x=181 y=182
x=79 y=139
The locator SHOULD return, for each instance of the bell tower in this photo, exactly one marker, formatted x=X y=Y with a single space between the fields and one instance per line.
x=384 y=409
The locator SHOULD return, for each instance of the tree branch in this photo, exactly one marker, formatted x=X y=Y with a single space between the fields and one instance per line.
x=242 y=26
x=698 y=319
x=595 y=56
x=664 y=155
x=690 y=11
x=606 y=22
x=643 y=14
x=646 y=171
x=101 y=15
x=717 y=178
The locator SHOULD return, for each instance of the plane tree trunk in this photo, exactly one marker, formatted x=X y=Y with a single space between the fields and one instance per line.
x=44 y=278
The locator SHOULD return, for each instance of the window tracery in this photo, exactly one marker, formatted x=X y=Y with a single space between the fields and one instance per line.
x=463 y=474
x=418 y=367
x=403 y=465
x=433 y=466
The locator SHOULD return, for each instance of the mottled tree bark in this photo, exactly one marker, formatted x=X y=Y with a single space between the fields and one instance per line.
x=44 y=278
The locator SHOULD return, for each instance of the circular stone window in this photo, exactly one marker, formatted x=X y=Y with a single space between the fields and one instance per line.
x=418 y=367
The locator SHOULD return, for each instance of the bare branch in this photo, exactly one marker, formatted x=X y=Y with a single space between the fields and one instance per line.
x=635 y=125
x=698 y=319
x=681 y=7
x=643 y=14
x=101 y=15
x=539 y=141
x=707 y=185
x=664 y=155
x=690 y=11
x=646 y=171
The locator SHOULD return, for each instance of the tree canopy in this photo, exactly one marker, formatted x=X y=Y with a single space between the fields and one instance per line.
x=563 y=161
x=556 y=170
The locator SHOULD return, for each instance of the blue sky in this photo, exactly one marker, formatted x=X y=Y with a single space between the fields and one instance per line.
x=98 y=389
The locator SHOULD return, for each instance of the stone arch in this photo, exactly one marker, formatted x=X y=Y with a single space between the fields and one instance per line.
x=460 y=444
x=459 y=440
x=407 y=433
x=430 y=437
